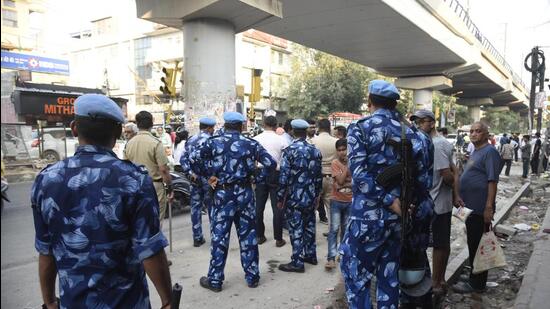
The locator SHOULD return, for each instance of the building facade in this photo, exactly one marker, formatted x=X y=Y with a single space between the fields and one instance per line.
x=125 y=56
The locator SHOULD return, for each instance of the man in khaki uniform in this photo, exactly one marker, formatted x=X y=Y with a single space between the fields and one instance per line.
x=147 y=150
x=326 y=143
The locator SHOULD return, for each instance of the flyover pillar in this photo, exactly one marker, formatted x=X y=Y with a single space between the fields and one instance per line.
x=475 y=113
x=209 y=68
x=209 y=28
x=423 y=88
x=423 y=98
x=474 y=106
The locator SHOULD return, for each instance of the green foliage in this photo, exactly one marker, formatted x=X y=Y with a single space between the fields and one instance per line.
x=504 y=122
x=462 y=116
x=322 y=84
x=405 y=105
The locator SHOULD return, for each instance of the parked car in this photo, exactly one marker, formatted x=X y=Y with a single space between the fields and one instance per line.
x=55 y=140
x=451 y=138
x=11 y=146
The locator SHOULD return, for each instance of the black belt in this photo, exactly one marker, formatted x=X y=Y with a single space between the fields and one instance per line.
x=327 y=175
x=158 y=180
x=226 y=186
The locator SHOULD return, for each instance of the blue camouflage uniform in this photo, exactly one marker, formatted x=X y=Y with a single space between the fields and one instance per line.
x=371 y=244
x=300 y=183
x=200 y=190
x=98 y=216
x=232 y=160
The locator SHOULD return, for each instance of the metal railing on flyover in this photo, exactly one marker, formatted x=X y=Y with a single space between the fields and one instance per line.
x=463 y=14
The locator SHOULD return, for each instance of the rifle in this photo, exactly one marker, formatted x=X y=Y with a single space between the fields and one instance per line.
x=402 y=175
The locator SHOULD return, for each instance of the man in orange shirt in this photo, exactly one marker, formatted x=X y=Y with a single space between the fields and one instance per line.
x=340 y=200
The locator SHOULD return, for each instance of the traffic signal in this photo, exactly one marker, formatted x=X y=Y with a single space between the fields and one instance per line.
x=256 y=87
x=251 y=112
x=169 y=81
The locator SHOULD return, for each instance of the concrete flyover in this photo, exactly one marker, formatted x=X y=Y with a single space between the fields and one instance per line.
x=427 y=44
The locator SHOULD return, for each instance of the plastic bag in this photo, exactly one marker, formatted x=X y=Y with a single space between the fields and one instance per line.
x=462 y=213
x=489 y=254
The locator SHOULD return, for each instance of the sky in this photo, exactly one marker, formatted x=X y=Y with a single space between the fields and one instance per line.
x=512 y=26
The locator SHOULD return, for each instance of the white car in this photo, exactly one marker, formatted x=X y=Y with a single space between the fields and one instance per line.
x=451 y=138
x=57 y=145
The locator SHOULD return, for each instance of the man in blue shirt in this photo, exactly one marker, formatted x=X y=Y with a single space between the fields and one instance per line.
x=230 y=168
x=371 y=244
x=478 y=189
x=300 y=182
x=97 y=220
x=200 y=190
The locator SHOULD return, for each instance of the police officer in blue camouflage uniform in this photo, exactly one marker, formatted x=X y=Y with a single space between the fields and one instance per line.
x=231 y=166
x=371 y=244
x=97 y=220
x=200 y=190
x=300 y=183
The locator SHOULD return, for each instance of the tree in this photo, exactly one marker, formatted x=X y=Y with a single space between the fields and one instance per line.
x=504 y=122
x=321 y=84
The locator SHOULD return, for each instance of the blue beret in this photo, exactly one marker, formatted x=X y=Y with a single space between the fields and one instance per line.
x=98 y=105
x=299 y=124
x=233 y=117
x=207 y=121
x=384 y=89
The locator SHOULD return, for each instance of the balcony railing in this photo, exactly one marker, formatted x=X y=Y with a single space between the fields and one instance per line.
x=463 y=14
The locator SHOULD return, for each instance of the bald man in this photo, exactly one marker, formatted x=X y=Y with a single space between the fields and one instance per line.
x=478 y=188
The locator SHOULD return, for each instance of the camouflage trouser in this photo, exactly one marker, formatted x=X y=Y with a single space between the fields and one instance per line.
x=371 y=248
x=235 y=205
x=200 y=195
x=301 y=228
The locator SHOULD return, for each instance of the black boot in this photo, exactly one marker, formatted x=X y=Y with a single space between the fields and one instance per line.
x=291 y=268
x=198 y=243
x=205 y=283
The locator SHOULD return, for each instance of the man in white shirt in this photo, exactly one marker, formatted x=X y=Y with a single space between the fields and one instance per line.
x=326 y=143
x=274 y=144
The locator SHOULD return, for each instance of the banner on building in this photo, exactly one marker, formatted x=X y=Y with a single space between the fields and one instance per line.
x=16 y=61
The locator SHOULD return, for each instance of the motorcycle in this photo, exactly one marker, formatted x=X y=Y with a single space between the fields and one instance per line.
x=4 y=194
x=182 y=193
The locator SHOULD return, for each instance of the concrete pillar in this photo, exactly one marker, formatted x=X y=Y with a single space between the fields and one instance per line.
x=209 y=69
x=475 y=113
x=423 y=99
x=423 y=88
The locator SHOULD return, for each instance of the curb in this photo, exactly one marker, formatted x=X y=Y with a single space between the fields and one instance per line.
x=455 y=265
x=22 y=177
x=535 y=286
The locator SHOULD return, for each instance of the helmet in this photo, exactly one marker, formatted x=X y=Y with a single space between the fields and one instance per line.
x=421 y=287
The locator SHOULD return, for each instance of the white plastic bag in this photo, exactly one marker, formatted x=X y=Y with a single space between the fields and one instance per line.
x=489 y=254
x=462 y=213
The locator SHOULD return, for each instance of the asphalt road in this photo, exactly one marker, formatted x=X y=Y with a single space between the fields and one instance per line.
x=19 y=276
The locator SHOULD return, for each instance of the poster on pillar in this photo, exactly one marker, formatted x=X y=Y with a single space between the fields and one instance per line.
x=451 y=115
x=539 y=99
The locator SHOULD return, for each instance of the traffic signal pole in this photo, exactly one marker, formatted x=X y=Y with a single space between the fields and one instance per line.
x=255 y=92
x=537 y=69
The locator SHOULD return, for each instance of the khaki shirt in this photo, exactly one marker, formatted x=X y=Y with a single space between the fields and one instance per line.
x=145 y=149
x=326 y=143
